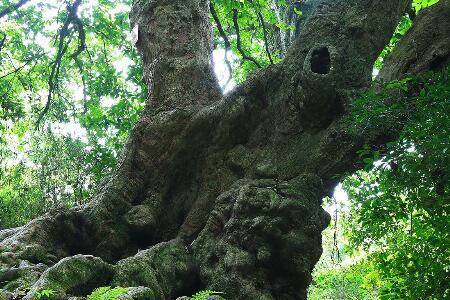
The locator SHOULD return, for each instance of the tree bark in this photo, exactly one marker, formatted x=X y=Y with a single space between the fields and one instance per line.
x=425 y=47
x=212 y=191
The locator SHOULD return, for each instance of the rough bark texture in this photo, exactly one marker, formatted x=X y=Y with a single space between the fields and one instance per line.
x=426 y=46
x=287 y=15
x=222 y=192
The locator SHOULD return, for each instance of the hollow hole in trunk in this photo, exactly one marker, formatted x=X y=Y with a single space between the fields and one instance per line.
x=191 y=285
x=73 y=232
x=439 y=62
x=320 y=61
x=142 y=239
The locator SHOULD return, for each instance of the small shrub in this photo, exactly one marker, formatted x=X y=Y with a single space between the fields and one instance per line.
x=45 y=294
x=107 y=293
x=202 y=295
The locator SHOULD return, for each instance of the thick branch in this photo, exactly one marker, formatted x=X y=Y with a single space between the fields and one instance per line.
x=426 y=45
x=354 y=32
x=81 y=37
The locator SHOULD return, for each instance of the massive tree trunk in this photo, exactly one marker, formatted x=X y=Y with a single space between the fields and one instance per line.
x=212 y=191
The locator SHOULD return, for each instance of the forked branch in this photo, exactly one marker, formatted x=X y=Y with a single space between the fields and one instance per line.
x=244 y=55
x=64 y=33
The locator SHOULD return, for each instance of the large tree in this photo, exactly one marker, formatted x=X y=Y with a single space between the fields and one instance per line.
x=225 y=192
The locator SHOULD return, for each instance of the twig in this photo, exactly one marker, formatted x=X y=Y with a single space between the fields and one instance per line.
x=12 y=8
x=2 y=42
x=27 y=62
x=226 y=42
x=266 y=42
x=62 y=49
x=80 y=49
x=17 y=69
x=335 y=252
x=263 y=25
x=83 y=80
x=239 y=42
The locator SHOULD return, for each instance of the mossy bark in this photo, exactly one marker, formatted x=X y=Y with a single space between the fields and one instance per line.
x=425 y=46
x=212 y=191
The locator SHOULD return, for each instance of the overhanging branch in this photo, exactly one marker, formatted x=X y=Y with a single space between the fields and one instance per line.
x=17 y=69
x=266 y=41
x=239 y=42
x=13 y=8
x=72 y=19
x=225 y=39
x=263 y=25
x=81 y=37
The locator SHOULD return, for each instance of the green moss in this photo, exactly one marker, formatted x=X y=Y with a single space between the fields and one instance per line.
x=4 y=295
x=240 y=158
x=75 y=275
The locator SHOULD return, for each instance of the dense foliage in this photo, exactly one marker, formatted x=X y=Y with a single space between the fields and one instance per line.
x=400 y=209
x=69 y=96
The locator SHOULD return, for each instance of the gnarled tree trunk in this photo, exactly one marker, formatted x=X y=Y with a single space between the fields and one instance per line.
x=212 y=191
